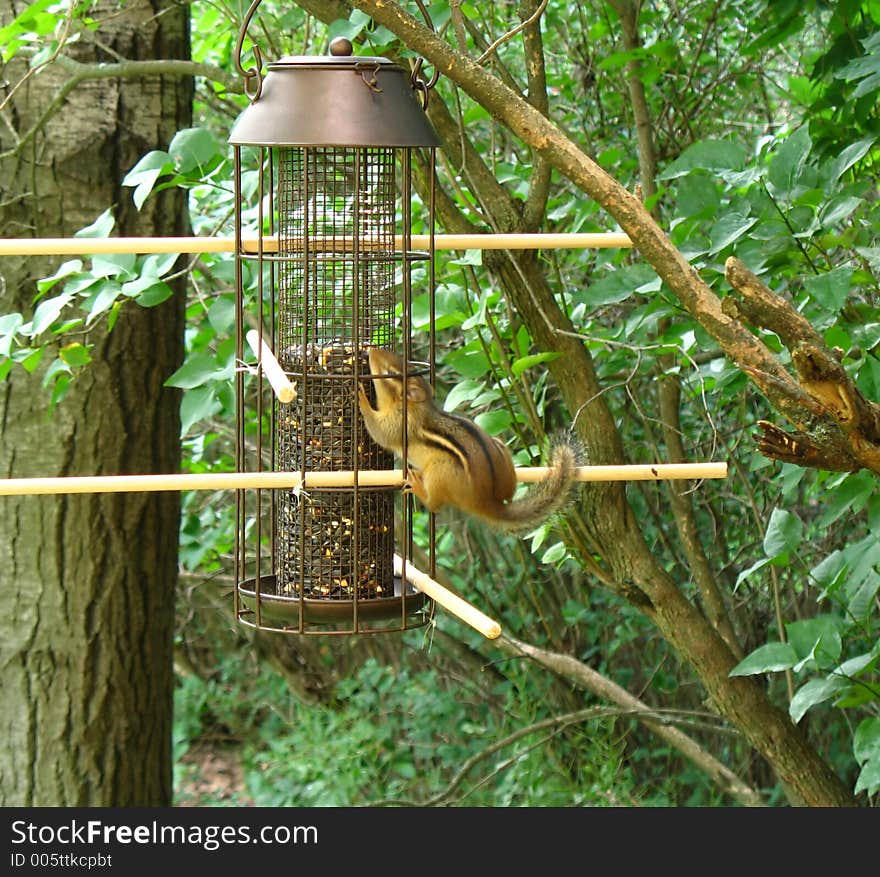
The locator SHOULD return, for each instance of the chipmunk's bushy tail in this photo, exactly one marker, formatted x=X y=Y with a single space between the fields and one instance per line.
x=543 y=497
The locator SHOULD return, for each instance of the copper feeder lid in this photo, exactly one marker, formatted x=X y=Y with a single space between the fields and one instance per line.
x=335 y=100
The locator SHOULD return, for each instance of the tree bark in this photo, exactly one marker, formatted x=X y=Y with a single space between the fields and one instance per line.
x=88 y=581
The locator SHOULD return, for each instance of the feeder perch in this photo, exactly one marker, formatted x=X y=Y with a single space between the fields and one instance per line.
x=325 y=269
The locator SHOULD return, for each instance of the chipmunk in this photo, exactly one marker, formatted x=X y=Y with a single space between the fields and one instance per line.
x=451 y=459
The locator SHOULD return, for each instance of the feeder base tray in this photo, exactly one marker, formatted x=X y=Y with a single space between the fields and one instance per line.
x=285 y=609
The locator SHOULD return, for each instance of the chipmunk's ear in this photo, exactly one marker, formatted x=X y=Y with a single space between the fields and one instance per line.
x=417 y=390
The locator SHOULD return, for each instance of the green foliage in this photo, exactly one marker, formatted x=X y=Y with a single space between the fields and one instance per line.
x=42 y=26
x=834 y=654
x=765 y=126
x=806 y=220
x=89 y=292
x=394 y=735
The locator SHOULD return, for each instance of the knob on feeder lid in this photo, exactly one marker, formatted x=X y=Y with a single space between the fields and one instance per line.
x=341 y=46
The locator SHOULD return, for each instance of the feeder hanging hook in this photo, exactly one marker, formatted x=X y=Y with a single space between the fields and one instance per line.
x=419 y=84
x=253 y=77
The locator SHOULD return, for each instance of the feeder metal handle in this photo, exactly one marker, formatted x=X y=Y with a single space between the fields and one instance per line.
x=418 y=83
x=253 y=77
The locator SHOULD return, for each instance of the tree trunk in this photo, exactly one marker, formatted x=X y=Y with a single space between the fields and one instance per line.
x=608 y=520
x=88 y=581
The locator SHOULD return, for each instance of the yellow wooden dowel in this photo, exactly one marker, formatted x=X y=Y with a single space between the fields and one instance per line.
x=454 y=604
x=192 y=245
x=634 y=472
x=341 y=478
x=279 y=382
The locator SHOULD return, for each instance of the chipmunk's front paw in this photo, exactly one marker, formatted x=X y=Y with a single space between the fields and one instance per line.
x=363 y=398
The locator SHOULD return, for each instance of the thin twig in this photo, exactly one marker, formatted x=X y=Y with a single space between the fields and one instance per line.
x=512 y=33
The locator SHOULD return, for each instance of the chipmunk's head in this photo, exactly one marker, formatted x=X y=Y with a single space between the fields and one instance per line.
x=388 y=369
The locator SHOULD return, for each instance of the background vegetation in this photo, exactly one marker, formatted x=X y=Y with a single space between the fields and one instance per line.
x=749 y=129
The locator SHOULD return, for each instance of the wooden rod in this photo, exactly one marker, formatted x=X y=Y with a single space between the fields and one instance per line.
x=637 y=472
x=202 y=481
x=144 y=245
x=341 y=478
x=450 y=601
x=278 y=380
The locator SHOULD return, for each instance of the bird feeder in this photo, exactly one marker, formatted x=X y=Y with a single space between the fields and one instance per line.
x=325 y=270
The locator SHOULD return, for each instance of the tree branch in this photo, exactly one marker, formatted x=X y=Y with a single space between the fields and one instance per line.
x=807 y=777
x=539 y=183
x=80 y=72
x=539 y=132
x=842 y=432
x=513 y=32
x=585 y=677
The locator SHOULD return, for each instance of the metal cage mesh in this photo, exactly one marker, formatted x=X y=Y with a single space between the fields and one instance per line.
x=336 y=208
x=334 y=291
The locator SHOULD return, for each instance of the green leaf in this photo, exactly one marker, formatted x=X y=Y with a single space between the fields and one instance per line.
x=814 y=692
x=697 y=195
x=464 y=391
x=468 y=257
x=103 y=299
x=155 y=160
x=221 y=315
x=526 y=362
x=9 y=325
x=47 y=312
x=159 y=264
x=59 y=390
x=471 y=363
x=64 y=270
x=199 y=369
x=865 y=67
x=849 y=156
x=849 y=496
x=32 y=20
x=852 y=667
x=784 y=533
x=30 y=358
x=142 y=177
x=709 y=155
x=555 y=553
x=869 y=777
x=838 y=209
x=56 y=367
x=196 y=405
x=831 y=289
x=731 y=227
x=154 y=295
x=830 y=571
x=100 y=228
x=121 y=265
x=133 y=288
x=75 y=354
x=871 y=255
x=866 y=740
x=816 y=639
x=616 y=286
x=787 y=163
x=747 y=572
x=193 y=148
x=769 y=658
x=478 y=318
x=494 y=422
